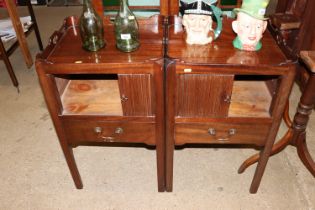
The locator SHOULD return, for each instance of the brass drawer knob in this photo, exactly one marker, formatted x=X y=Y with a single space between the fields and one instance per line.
x=212 y=131
x=227 y=99
x=119 y=130
x=98 y=130
x=231 y=132
x=124 y=98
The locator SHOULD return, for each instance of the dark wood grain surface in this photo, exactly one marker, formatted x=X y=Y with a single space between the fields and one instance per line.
x=221 y=50
x=68 y=49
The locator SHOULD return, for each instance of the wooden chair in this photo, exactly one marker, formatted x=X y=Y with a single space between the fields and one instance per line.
x=293 y=27
x=5 y=53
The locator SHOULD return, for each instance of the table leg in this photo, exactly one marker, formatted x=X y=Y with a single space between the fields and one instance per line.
x=5 y=58
x=170 y=124
x=49 y=88
x=11 y=7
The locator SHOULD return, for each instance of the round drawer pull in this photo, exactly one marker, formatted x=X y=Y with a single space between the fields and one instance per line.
x=230 y=132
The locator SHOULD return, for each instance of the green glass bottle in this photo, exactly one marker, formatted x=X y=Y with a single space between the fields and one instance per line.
x=126 y=29
x=91 y=28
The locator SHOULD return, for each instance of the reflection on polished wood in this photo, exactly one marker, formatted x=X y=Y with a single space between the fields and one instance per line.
x=296 y=134
x=69 y=48
x=221 y=51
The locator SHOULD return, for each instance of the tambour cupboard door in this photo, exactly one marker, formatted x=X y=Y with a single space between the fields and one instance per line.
x=136 y=94
x=203 y=95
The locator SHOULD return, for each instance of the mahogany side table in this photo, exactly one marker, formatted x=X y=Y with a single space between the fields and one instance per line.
x=216 y=94
x=105 y=97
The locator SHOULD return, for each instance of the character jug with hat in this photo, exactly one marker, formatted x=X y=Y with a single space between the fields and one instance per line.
x=250 y=24
x=197 y=20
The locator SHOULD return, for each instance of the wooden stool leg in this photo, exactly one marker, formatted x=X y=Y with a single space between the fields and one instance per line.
x=8 y=65
x=31 y=11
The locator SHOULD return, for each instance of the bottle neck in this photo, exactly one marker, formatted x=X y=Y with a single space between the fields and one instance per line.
x=87 y=6
x=124 y=6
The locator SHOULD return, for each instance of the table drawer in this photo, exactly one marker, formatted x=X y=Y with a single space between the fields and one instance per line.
x=106 y=131
x=221 y=133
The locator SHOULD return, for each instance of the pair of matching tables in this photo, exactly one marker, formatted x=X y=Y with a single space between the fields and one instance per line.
x=166 y=93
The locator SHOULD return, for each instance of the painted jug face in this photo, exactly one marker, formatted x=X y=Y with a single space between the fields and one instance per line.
x=249 y=31
x=197 y=20
x=198 y=28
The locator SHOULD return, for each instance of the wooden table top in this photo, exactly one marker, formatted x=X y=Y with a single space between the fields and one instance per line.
x=221 y=51
x=68 y=49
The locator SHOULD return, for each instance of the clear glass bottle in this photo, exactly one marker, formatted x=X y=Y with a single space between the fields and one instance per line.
x=91 y=28
x=126 y=29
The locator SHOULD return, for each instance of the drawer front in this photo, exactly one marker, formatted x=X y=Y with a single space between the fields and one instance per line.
x=221 y=133
x=103 y=131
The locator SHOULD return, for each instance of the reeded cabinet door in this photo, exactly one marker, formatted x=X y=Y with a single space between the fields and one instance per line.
x=136 y=94
x=203 y=95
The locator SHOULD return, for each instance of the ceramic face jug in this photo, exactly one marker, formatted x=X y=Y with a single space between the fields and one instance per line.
x=197 y=20
x=250 y=25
